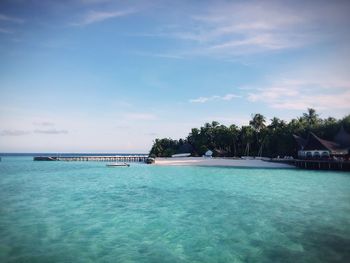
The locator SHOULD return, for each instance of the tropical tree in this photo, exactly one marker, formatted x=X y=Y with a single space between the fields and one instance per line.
x=276 y=123
x=257 y=122
x=164 y=147
x=311 y=117
x=346 y=122
x=214 y=124
x=233 y=131
x=247 y=138
x=257 y=138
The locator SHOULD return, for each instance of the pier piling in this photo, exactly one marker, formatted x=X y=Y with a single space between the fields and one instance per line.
x=117 y=158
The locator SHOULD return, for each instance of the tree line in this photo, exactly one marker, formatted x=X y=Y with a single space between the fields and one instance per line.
x=255 y=139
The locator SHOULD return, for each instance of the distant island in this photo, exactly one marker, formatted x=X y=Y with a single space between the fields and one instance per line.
x=255 y=139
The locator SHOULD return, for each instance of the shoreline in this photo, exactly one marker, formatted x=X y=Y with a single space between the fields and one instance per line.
x=218 y=162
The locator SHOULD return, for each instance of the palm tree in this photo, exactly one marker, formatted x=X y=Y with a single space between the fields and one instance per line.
x=214 y=124
x=311 y=117
x=233 y=132
x=276 y=123
x=258 y=122
x=247 y=135
x=207 y=125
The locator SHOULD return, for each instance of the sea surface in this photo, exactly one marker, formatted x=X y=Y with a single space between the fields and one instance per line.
x=86 y=212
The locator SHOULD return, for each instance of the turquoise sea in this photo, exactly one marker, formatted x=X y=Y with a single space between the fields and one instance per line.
x=86 y=212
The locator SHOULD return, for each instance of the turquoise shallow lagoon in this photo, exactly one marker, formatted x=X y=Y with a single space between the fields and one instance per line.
x=86 y=212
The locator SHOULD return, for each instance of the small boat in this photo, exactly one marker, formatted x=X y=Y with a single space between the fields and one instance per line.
x=117 y=164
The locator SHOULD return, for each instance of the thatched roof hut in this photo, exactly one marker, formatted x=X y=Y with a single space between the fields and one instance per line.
x=339 y=146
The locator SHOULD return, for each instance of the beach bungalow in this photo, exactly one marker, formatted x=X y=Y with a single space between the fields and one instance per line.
x=208 y=153
x=316 y=148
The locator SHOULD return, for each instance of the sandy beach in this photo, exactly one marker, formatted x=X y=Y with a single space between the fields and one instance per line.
x=200 y=161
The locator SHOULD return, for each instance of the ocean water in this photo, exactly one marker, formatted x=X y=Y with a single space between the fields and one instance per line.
x=86 y=212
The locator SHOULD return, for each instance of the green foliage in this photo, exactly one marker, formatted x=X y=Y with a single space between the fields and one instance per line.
x=260 y=139
x=258 y=122
x=164 y=147
x=311 y=117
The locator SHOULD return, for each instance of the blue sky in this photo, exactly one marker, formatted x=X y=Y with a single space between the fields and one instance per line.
x=111 y=76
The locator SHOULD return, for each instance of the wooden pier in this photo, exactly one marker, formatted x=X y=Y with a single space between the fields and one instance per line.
x=323 y=165
x=116 y=158
x=333 y=165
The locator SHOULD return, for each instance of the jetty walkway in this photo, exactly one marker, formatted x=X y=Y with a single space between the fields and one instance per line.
x=323 y=165
x=337 y=165
x=300 y=163
x=114 y=158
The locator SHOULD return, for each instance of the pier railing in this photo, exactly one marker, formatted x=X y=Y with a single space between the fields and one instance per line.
x=323 y=164
x=116 y=158
x=339 y=165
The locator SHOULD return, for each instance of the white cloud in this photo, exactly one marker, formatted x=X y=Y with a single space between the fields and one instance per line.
x=273 y=93
x=5 y=31
x=200 y=100
x=230 y=97
x=256 y=43
x=13 y=132
x=11 y=19
x=226 y=97
x=99 y=16
x=27 y=132
x=320 y=84
x=301 y=94
x=51 y=131
x=226 y=28
x=43 y=123
x=339 y=100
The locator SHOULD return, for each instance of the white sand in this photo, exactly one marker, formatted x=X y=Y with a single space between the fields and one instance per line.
x=201 y=161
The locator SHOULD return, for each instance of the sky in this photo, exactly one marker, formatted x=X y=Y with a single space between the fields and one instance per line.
x=111 y=76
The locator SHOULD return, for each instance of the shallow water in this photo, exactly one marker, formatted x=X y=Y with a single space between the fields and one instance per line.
x=86 y=212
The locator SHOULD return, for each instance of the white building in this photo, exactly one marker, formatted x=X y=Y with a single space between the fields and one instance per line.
x=208 y=153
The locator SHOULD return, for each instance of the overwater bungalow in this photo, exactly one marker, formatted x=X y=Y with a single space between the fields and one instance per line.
x=316 y=148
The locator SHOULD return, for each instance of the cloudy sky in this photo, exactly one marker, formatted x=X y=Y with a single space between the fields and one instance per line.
x=111 y=76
